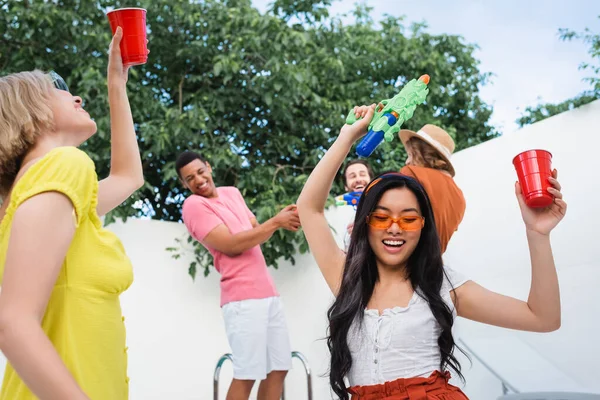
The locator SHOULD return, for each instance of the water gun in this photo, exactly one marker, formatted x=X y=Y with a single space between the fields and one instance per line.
x=390 y=114
x=350 y=199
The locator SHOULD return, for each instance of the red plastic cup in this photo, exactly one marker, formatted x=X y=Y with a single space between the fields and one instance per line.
x=534 y=167
x=133 y=44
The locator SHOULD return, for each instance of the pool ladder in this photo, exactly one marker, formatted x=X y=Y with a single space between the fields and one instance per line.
x=295 y=354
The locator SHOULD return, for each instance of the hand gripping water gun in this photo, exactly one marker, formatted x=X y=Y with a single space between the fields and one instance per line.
x=350 y=199
x=390 y=114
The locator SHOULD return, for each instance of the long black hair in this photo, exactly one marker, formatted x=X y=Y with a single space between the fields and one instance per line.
x=424 y=270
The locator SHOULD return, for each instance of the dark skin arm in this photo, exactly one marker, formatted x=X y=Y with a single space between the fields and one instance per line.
x=233 y=245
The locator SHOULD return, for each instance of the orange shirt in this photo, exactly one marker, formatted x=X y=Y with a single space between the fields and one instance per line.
x=446 y=198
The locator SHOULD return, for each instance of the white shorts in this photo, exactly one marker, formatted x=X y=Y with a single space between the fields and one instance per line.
x=258 y=336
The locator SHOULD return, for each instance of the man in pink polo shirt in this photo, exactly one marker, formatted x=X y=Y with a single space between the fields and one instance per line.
x=254 y=319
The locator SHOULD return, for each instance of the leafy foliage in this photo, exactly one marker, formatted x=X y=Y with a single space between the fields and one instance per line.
x=262 y=96
x=593 y=39
x=543 y=111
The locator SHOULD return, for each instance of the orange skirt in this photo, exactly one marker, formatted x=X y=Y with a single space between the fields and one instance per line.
x=436 y=387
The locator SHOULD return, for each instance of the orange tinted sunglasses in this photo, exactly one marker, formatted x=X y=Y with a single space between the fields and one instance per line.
x=384 y=221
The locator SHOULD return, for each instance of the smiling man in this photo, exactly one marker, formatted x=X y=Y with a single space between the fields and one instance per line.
x=253 y=313
x=357 y=174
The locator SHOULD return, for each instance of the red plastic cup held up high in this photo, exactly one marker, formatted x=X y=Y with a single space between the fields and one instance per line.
x=534 y=167
x=133 y=44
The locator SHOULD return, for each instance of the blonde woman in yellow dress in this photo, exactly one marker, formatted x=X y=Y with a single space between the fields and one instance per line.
x=61 y=273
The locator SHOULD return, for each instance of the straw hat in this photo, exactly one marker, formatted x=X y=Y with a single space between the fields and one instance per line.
x=436 y=137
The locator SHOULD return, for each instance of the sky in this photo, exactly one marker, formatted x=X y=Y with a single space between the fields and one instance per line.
x=518 y=41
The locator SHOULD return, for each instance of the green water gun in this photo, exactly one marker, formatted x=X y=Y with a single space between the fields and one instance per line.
x=390 y=114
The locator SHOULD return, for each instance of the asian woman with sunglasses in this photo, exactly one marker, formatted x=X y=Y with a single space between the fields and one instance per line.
x=390 y=326
x=61 y=272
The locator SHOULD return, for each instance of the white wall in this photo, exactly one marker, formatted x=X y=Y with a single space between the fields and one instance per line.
x=174 y=325
x=490 y=245
x=175 y=328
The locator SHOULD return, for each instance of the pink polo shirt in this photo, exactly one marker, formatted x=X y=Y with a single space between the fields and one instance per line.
x=244 y=276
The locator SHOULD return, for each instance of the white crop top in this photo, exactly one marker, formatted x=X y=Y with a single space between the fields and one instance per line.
x=401 y=342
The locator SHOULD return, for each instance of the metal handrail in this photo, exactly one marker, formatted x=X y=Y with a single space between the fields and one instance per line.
x=304 y=361
x=224 y=357
x=505 y=385
x=229 y=357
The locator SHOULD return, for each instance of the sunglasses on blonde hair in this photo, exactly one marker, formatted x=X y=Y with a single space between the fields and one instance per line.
x=58 y=81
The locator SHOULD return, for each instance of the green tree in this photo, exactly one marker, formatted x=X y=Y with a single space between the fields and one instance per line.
x=260 y=95
x=543 y=111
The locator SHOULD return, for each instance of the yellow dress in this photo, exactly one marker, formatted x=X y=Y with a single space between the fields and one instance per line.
x=83 y=319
